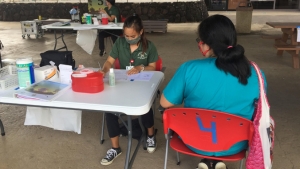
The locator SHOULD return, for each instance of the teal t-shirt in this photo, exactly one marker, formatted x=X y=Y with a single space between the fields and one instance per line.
x=200 y=84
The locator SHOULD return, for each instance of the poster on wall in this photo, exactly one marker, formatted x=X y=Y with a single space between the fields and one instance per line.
x=95 y=5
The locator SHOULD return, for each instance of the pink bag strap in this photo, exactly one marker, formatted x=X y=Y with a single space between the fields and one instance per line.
x=262 y=92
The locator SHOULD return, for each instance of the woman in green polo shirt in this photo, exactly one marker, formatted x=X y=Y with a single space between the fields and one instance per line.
x=112 y=14
x=135 y=54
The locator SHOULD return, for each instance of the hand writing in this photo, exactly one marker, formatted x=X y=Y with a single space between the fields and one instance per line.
x=134 y=70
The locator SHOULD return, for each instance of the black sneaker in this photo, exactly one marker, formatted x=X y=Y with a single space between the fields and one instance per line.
x=110 y=156
x=151 y=144
x=102 y=52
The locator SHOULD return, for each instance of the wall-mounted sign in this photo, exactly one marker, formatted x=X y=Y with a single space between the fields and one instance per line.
x=95 y=5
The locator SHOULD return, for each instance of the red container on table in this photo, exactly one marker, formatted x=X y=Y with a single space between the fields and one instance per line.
x=92 y=83
x=104 y=21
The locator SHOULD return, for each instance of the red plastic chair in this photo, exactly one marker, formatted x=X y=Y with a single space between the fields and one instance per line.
x=222 y=131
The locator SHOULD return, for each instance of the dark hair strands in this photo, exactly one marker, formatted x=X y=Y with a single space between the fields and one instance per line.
x=112 y=2
x=136 y=23
x=219 y=33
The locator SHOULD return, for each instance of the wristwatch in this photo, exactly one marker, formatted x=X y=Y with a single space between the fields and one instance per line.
x=143 y=67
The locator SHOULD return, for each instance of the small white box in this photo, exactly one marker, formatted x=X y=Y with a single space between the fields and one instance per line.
x=47 y=72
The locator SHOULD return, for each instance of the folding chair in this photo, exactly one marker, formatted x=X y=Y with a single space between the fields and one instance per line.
x=206 y=130
x=159 y=67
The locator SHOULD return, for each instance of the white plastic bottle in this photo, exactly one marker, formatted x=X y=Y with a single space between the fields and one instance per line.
x=112 y=80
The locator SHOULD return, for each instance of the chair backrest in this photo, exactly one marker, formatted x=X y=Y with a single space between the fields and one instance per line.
x=158 y=64
x=123 y=18
x=207 y=130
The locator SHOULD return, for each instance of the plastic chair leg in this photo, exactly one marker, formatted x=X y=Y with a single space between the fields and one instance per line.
x=2 y=128
x=167 y=150
x=178 y=158
x=241 y=163
x=102 y=129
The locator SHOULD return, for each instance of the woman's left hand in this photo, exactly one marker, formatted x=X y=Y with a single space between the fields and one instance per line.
x=134 y=70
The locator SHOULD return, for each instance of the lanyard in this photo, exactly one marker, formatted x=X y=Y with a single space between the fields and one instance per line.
x=131 y=62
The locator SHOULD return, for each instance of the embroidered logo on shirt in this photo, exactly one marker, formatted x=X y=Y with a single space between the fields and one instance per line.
x=142 y=55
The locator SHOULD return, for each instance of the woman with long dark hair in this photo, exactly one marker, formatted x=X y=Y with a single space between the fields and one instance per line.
x=224 y=81
x=136 y=54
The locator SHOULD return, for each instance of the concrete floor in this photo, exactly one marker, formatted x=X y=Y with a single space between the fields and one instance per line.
x=35 y=147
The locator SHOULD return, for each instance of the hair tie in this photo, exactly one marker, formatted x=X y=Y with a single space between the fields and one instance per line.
x=229 y=47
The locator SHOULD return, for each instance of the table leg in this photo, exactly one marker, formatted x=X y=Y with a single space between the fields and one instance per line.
x=129 y=142
x=284 y=39
x=62 y=38
x=296 y=59
x=142 y=140
x=129 y=161
x=2 y=128
x=295 y=54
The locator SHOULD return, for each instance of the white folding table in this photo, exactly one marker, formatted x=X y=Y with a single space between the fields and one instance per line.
x=78 y=26
x=132 y=98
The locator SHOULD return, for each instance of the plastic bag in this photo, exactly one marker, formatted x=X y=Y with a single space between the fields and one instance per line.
x=86 y=40
x=73 y=11
x=58 y=119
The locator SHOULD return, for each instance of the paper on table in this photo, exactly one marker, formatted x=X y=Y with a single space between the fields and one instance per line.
x=121 y=75
x=65 y=72
x=143 y=76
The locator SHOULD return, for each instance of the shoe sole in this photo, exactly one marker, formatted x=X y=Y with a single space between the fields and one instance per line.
x=202 y=166
x=108 y=163
x=151 y=151
x=220 y=165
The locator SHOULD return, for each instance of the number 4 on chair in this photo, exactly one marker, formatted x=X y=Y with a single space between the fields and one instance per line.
x=213 y=129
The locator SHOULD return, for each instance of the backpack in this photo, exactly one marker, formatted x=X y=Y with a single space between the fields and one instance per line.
x=58 y=57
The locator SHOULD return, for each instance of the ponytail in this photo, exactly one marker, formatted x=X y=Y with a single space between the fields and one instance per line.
x=234 y=61
x=219 y=33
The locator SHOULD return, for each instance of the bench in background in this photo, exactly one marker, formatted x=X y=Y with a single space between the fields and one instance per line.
x=155 y=25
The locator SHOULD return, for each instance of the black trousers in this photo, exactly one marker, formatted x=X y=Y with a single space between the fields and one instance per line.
x=113 y=124
x=114 y=34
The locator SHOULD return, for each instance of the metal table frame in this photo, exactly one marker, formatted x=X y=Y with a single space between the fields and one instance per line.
x=96 y=102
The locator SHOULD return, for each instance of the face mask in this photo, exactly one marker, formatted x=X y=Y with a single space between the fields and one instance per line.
x=133 y=41
x=203 y=52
